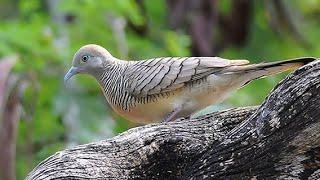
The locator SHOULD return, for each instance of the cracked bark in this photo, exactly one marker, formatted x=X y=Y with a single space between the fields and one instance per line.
x=279 y=139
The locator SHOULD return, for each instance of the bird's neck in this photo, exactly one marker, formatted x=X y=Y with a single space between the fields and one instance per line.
x=110 y=79
x=109 y=70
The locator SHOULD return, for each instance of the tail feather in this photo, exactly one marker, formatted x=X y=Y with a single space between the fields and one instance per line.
x=281 y=66
x=271 y=68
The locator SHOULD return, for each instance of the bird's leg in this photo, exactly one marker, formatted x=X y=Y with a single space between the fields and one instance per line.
x=172 y=116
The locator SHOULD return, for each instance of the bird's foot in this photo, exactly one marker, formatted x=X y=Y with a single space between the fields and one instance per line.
x=171 y=116
x=187 y=118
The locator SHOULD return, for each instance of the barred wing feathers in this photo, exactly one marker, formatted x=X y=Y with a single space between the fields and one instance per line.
x=160 y=75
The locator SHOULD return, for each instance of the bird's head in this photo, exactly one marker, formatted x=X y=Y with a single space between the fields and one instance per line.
x=89 y=59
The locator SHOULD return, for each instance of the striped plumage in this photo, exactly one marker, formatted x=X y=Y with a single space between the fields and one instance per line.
x=170 y=87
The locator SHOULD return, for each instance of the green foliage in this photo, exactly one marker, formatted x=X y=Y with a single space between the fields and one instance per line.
x=65 y=116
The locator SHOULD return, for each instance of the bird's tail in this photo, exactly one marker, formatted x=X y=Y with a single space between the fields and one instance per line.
x=271 y=68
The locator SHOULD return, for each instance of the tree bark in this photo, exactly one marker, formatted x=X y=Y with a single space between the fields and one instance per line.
x=279 y=139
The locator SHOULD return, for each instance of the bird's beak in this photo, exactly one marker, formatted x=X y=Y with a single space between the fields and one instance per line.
x=72 y=71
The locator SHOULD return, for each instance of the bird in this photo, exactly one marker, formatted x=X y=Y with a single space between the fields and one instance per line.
x=163 y=89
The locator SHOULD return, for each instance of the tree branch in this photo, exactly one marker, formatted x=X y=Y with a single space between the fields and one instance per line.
x=279 y=139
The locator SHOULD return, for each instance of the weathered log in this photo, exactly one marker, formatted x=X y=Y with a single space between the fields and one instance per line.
x=279 y=139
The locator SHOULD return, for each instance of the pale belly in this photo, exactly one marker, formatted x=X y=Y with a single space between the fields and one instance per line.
x=150 y=112
x=159 y=110
x=187 y=101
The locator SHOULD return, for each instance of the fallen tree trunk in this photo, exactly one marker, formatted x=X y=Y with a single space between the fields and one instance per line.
x=279 y=139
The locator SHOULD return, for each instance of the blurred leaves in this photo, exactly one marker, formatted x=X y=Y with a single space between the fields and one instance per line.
x=177 y=45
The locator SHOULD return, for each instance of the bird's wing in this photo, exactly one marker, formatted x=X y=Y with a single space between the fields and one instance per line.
x=160 y=75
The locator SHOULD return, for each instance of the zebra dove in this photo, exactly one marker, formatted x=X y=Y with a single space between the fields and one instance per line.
x=167 y=88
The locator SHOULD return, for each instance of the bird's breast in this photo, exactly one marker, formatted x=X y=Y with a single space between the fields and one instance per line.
x=153 y=111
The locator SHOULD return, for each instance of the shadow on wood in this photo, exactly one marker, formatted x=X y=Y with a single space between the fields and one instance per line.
x=279 y=139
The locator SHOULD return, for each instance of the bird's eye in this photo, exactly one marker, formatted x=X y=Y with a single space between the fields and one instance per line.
x=85 y=58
